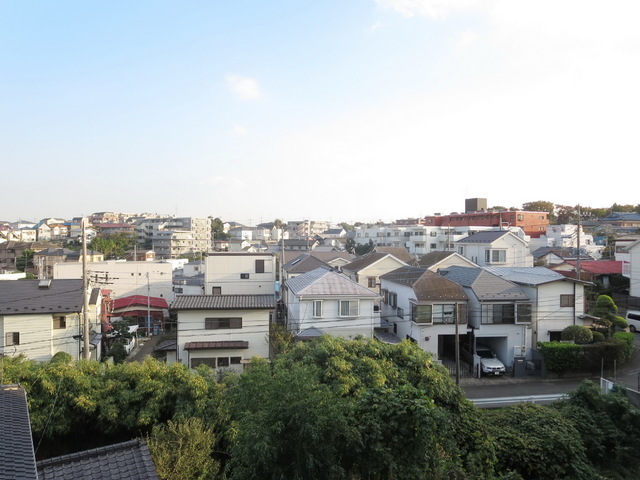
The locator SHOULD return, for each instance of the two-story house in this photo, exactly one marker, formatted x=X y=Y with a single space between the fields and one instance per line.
x=496 y=248
x=499 y=311
x=557 y=301
x=367 y=269
x=39 y=318
x=323 y=301
x=222 y=331
x=240 y=273
x=425 y=308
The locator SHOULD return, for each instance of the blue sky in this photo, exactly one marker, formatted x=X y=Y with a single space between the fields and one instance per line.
x=334 y=110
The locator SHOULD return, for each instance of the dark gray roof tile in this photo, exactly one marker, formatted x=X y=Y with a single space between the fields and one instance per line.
x=224 y=302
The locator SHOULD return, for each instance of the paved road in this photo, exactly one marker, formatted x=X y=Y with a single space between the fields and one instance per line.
x=507 y=386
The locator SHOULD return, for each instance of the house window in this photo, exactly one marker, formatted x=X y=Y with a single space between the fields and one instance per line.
x=567 y=300
x=495 y=256
x=244 y=276
x=371 y=282
x=59 y=322
x=259 y=266
x=421 y=313
x=523 y=313
x=443 y=313
x=12 y=338
x=209 y=361
x=216 y=290
x=317 y=308
x=433 y=246
x=393 y=299
x=222 y=323
x=349 y=308
x=433 y=233
x=400 y=312
x=385 y=295
x=461 y=251
x=223 y=362
x=235 y=360
x=500 y=313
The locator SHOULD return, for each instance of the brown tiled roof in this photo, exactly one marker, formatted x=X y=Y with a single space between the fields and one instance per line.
x=426 y=285
x=400 y=253
x=228 y=344
x=224 y=302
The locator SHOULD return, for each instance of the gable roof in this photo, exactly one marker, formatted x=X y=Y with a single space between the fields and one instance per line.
x=17 y=457
x=426 y=285
x=484 y=284
x=599 y=267
x=139 y=300
x=487 y=236
x=527 y=275
x=26 y=297
x=224 y=302
x=304 y=263
x=400 y=253
x=325 y=282
x=121 y=461
x=368 y=260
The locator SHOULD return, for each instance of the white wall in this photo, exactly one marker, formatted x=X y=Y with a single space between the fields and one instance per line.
x=226 y=270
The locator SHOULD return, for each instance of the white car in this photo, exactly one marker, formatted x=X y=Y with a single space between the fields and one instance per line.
x=489 y=363
x=633 y=319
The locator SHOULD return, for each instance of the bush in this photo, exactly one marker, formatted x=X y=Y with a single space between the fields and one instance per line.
x=627 y=339
x=117 y=352
x=578 y=334
x=598 y=337
x=560 y=357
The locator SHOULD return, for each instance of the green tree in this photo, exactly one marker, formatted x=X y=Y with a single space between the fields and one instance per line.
x=577 y=333
x=350 y=245
x=541 y=206
x=25 y=260
x=217 y=229
x=363 y=249
x=113 y=246
x=566 y=214
x=605 y=310
x=538 y=443
x=183 y=450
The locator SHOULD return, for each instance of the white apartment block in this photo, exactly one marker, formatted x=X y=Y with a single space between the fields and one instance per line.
x=172 y=237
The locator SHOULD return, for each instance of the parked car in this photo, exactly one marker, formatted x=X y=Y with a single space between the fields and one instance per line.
x=633 y=319
x=489 y=363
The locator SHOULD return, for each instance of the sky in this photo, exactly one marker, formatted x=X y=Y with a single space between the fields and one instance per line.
x=358 y=110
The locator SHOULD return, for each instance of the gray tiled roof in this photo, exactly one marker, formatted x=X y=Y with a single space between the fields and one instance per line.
x=326 y=282
x=304 y=263
x=527 y=275
x=432 y=258
x=485 y=285
x=223 y=302
x=17 y=459
x=426 y=285
x=488 y=236
x=25 y=297
x=122 y=461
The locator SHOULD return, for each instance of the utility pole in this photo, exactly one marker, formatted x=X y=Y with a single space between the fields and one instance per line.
x=578 y=258
x=457 y=320
x=148 y=307
x=85 y=292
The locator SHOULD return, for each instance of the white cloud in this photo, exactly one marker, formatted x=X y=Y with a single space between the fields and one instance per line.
x=221 y=182
x=375 y=26
x=238 y=131
x=244 y=87
x=465 y=40
x=434 y=9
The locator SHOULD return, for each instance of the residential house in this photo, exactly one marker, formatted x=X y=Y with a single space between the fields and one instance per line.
x=229 y=273
x=148 y=311
x=503 y=248
x=622 y=254
x=10 y=252
x=499 y=311
x=425 y=308
x=434 y=261
x=557 y=301
x=17 y=455
x=366 y=270
x=401 y=253
x=44 y=260
x=302 y=264
x=222 y=331
x=323 y=301
x=39 y=318
x=634 y=274
x=599 y=272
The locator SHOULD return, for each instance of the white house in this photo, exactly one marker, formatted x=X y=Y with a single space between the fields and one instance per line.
x=426 y=308
x=323 y=301
x=367 y=269
x=503 y=248
x=557 y=301
x=124 y=278
x=634 y=271
x=229 y=273
x=222 y=331
x=499 y=311
x=39 y=318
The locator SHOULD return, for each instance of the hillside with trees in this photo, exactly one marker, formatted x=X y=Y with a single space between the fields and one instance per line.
x=327 y=409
